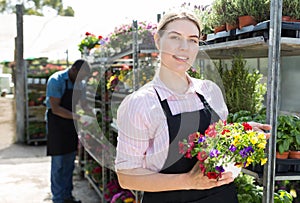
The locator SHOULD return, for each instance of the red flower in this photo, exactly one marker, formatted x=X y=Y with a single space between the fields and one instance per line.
x=88 y=33
x=212 y=175
x=100 y=37
x=193 y=137
x=211 y=131
x=247 y=126
x=225 y=131
x=182 y=148
x=188 y=154
x=97 y=169
x=201 y=156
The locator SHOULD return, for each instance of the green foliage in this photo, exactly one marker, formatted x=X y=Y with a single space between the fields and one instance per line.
x=243 y=90
x=195 y=73
x=218 y=12
x=249 y=191
x=288 y=133
x=259 y=9
x=291 y=8
x=35 y=7
x=246 y=116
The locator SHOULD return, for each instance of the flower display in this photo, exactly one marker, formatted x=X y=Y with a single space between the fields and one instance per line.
x=90 y=41
x=122 y=36
x=223 y=144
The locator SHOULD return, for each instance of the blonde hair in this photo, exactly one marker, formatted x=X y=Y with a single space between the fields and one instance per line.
x=176 y=15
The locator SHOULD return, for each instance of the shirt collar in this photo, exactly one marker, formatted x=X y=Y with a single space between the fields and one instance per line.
x=165 y=93
x=65 y=75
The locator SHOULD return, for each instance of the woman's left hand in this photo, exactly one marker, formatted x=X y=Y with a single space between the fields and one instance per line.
x=259 y=127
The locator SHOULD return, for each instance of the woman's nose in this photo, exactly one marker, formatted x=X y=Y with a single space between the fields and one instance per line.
x=183 y=44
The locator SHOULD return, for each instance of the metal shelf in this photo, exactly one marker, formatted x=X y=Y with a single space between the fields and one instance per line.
x=255 y=47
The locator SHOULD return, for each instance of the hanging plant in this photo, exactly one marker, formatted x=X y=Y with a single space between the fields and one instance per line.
x=90 y=41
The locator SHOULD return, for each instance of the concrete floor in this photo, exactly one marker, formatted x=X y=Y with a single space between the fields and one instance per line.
x=25 y=170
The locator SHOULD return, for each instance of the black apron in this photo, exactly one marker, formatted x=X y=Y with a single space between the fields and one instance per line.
x=180 y=126
x=62 y=137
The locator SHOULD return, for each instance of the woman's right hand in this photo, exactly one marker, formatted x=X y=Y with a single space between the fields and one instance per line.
x=197 y=180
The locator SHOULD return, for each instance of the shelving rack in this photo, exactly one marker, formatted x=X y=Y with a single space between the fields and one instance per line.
x=35 y=115
x=107 y=99
x=272 y=47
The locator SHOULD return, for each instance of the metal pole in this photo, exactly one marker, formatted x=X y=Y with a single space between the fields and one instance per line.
x=20 y=77
x=272 y=96
x=135 y=51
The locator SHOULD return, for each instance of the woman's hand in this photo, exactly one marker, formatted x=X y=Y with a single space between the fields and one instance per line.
x=261 y=128
x=196 y=179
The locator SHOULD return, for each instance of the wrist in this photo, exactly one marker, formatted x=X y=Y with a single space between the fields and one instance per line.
x=184 y=179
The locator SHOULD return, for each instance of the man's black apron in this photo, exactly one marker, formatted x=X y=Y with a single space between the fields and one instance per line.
x=62 y=135
x=181 y=126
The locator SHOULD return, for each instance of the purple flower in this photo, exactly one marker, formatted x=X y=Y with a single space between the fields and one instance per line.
x=220 y=168
x=246 y=151
x=201 y=139
x=232 y=148
x=214 y=153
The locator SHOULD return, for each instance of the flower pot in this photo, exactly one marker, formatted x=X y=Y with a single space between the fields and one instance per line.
x=284 y=155
x=246 y=20
x=286 y=18
x=294 y=155
x=219 y=28
x=231 y=27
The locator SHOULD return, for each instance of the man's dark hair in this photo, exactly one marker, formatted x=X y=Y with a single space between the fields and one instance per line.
x=80 y=63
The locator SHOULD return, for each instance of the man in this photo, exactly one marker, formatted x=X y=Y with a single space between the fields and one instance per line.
x=65 y=89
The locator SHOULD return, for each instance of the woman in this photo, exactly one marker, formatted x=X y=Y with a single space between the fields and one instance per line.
x=152 y=121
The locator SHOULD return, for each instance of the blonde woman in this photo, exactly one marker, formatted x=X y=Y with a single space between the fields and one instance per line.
x=152 y=121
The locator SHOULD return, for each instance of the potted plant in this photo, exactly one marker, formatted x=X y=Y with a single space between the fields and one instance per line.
x=225 y=12
x=251 y=12
x=295 y=144
x=243 y=89
x=289 y=10
x=284 y=139
x=218 y=20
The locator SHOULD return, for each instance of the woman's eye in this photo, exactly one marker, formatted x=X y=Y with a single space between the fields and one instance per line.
x=175 y=37
x=194 y=41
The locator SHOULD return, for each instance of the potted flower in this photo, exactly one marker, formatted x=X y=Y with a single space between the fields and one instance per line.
x=225 y=146
x=284 y=139
x=89 y=42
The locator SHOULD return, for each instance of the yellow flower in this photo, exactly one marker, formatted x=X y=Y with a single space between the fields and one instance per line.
x=261 y=136
x=253 y=139
x=249 y=161
x=121 y=77
x=128 y=200
x=262 y=145
x=236 y=139
x=263 y=161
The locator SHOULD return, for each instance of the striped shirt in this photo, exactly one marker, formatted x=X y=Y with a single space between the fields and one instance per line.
x=143 y=137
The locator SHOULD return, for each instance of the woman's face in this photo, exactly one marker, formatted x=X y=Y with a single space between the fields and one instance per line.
x=178 y=45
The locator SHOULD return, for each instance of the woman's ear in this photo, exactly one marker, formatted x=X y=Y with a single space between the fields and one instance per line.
x=156 y=40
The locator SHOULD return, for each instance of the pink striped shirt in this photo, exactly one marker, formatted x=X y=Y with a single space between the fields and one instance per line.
x=143 y=137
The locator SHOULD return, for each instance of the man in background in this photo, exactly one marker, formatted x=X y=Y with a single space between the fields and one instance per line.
x=65 y=89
